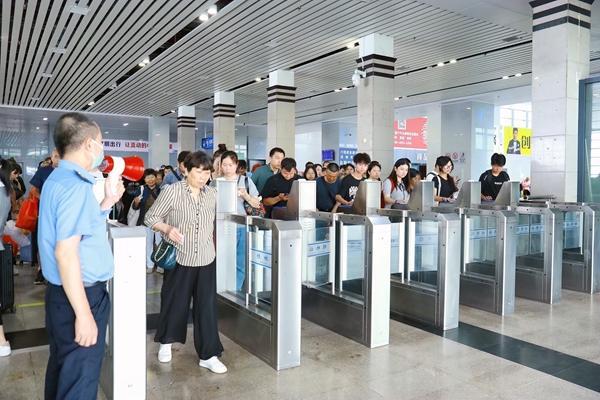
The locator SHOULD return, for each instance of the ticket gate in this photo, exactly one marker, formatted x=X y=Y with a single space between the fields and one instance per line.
x=263 y=313
x=345 y=285
x=581 y=246
x=123 y=373
x=425 y=264
x=488 y=259
x=539 y=245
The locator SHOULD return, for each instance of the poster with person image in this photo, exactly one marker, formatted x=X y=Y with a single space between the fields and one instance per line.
x=517 y=140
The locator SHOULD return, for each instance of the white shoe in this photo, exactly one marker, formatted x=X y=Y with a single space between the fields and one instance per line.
x=15 y=270
x=149 y=270
x=5 y=349
x=160 y=270
x=214 y=365
x=164 y=353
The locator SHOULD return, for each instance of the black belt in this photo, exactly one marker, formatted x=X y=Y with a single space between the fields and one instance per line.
x=89 y=285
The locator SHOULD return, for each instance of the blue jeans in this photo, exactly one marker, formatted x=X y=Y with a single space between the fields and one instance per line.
x=240 y=257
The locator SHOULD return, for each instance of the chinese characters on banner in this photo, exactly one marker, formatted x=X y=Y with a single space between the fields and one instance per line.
x=517 y=140
x=132 y=146
x=410 y=139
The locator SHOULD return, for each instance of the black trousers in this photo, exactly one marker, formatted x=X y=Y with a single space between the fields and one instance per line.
x=73 y=371
x=179 y=286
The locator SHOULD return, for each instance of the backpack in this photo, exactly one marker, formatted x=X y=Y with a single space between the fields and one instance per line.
x=436 y=176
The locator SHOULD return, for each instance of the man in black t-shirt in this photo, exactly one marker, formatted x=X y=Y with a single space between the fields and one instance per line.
x=492 y=179
x=276 y=191
x=349 y=185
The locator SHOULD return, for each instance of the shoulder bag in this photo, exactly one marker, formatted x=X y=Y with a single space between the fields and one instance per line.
x=165 y=255
x=255 y=211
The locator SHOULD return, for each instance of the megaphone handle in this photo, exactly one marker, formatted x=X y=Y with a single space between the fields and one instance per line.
x=113 y=181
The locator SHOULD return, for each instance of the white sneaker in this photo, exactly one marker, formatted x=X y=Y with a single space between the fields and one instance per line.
x=15 y=270
x=164 y=353
x=214 y=365
x=5 y=349
x=160 y=270
x=149 y=270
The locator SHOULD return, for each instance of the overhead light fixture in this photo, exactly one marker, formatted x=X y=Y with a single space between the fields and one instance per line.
x=344 y=88
x=212 y=10
x=258 y=79
x=396 y=98
x=46 y=75
x=125 y=124
x=37 y=127
x=237 y=115
x=536 y=77
x=45 y=118
x=146 y=60
x=440 y=64
x=91 y=103
x=59 y=51
x=517 y=75
x=106 y=132
x=203 y=17
x=35 y=98
x=452 y=61
x=336 y=90
x=352 y=45
x=141 y=64
x=172 y=111
x=505 y=77
x=79 y=10
x=468 y=108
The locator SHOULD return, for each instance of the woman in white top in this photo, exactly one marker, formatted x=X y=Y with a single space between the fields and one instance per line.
x=248 y=193
x=395 y=186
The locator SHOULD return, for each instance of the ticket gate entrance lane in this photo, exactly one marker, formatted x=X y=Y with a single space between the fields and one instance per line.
x=344 y=268
x=488 y=265
x=262 y=310
x=425 y=274
x=581 y=246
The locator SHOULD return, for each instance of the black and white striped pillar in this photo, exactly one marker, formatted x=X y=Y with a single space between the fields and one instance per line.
x=375 y=116
x=186 y=128
x=224 y=120
x=281 y=95
x=561 y=58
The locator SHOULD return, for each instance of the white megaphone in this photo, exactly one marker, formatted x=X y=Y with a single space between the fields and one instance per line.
x=131 y=168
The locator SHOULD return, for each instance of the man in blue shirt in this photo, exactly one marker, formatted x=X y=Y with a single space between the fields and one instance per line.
x=328 y=186
x=262 y=174
x=77 y=260
x=177 y=174
x=37 y=184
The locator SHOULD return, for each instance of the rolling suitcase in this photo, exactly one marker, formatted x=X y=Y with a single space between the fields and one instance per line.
x=7 y=283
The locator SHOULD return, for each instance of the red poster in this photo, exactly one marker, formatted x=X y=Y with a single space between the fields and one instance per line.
x=411 y=134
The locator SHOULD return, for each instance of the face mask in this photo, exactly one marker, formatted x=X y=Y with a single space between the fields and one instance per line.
x=97 y=159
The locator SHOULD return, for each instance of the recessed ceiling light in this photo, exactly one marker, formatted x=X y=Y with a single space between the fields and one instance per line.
x=46 y=75
x=79 y=10
x=468 y=108
x=146 y=60
x=91 y=103
x=125 y=124
x=59 y=51
x=203 y=17
x=396 y=98
x=237 y=115
x=45 y=118
x=336 y=90
x=517 y=74
x=37 y=127
x=351 y=45
x=344 y=88
x=35 y=98
x=141 y=64
x=172 y=111
x=212 y=10
x=258 y=79
x=452 y=61
x=106 y=132
x=440 y=64
x=536 y=77
x=505 y=77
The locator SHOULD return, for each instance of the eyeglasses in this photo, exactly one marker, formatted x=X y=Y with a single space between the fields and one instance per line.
x=449 y=166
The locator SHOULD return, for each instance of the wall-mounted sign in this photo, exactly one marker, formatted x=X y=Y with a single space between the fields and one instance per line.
x=207 y=143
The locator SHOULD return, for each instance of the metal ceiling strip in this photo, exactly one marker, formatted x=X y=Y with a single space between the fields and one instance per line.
x=43 y=55
x=85 y=45
x=101 y=47
x=14 y=46
x=6 y=5
x=27 y=69
x=122 y=62
x=23 y=50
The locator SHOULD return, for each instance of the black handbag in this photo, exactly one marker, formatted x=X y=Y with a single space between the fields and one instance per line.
x=165 y=255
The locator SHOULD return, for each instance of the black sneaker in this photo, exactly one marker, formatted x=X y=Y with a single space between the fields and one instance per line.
x=39 y=280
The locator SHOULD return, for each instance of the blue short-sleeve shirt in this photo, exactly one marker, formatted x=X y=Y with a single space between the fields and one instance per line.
x=68 y=207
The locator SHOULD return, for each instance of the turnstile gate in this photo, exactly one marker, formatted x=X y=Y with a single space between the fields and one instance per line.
x=263 y=314
x=425 y=273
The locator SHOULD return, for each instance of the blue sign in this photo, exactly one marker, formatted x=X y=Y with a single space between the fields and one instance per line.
x=328 y=155
x=207 y=143
x=347 y=155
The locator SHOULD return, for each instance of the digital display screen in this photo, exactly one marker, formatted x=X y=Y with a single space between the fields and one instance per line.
x=328 y=155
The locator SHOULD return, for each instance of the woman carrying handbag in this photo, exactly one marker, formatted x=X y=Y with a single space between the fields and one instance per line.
x=185 y=214
x=145 y=196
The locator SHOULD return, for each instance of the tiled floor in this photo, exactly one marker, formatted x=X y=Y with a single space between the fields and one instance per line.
x=417 y=364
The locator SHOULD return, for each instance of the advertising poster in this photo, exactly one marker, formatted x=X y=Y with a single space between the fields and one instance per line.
x=410 y=139
x=517 y=141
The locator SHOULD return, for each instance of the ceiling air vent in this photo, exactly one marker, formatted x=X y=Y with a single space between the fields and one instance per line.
x=511 y=39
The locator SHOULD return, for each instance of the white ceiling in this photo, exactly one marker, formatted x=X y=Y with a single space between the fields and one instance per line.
x=248 y=39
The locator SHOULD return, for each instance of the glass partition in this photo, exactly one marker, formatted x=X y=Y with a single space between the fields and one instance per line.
x=481 y=257
x=397 y=255
x=258 y=283
x=317 y=270
x=423 y=262
x=588 y=188
x=352 y=258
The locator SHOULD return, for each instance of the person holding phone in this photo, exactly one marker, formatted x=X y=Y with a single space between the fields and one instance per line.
x=276 y=191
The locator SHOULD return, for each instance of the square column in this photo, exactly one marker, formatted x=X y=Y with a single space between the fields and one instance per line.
x=376 y=99
x=224 y=120
x=158 y=138
x=186 y=128
x=281 y=129
x=561 y=58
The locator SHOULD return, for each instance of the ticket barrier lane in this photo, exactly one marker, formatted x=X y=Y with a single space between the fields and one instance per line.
x=488 y=256
x=425 y=274
x=258 y=282
x=581 y=246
